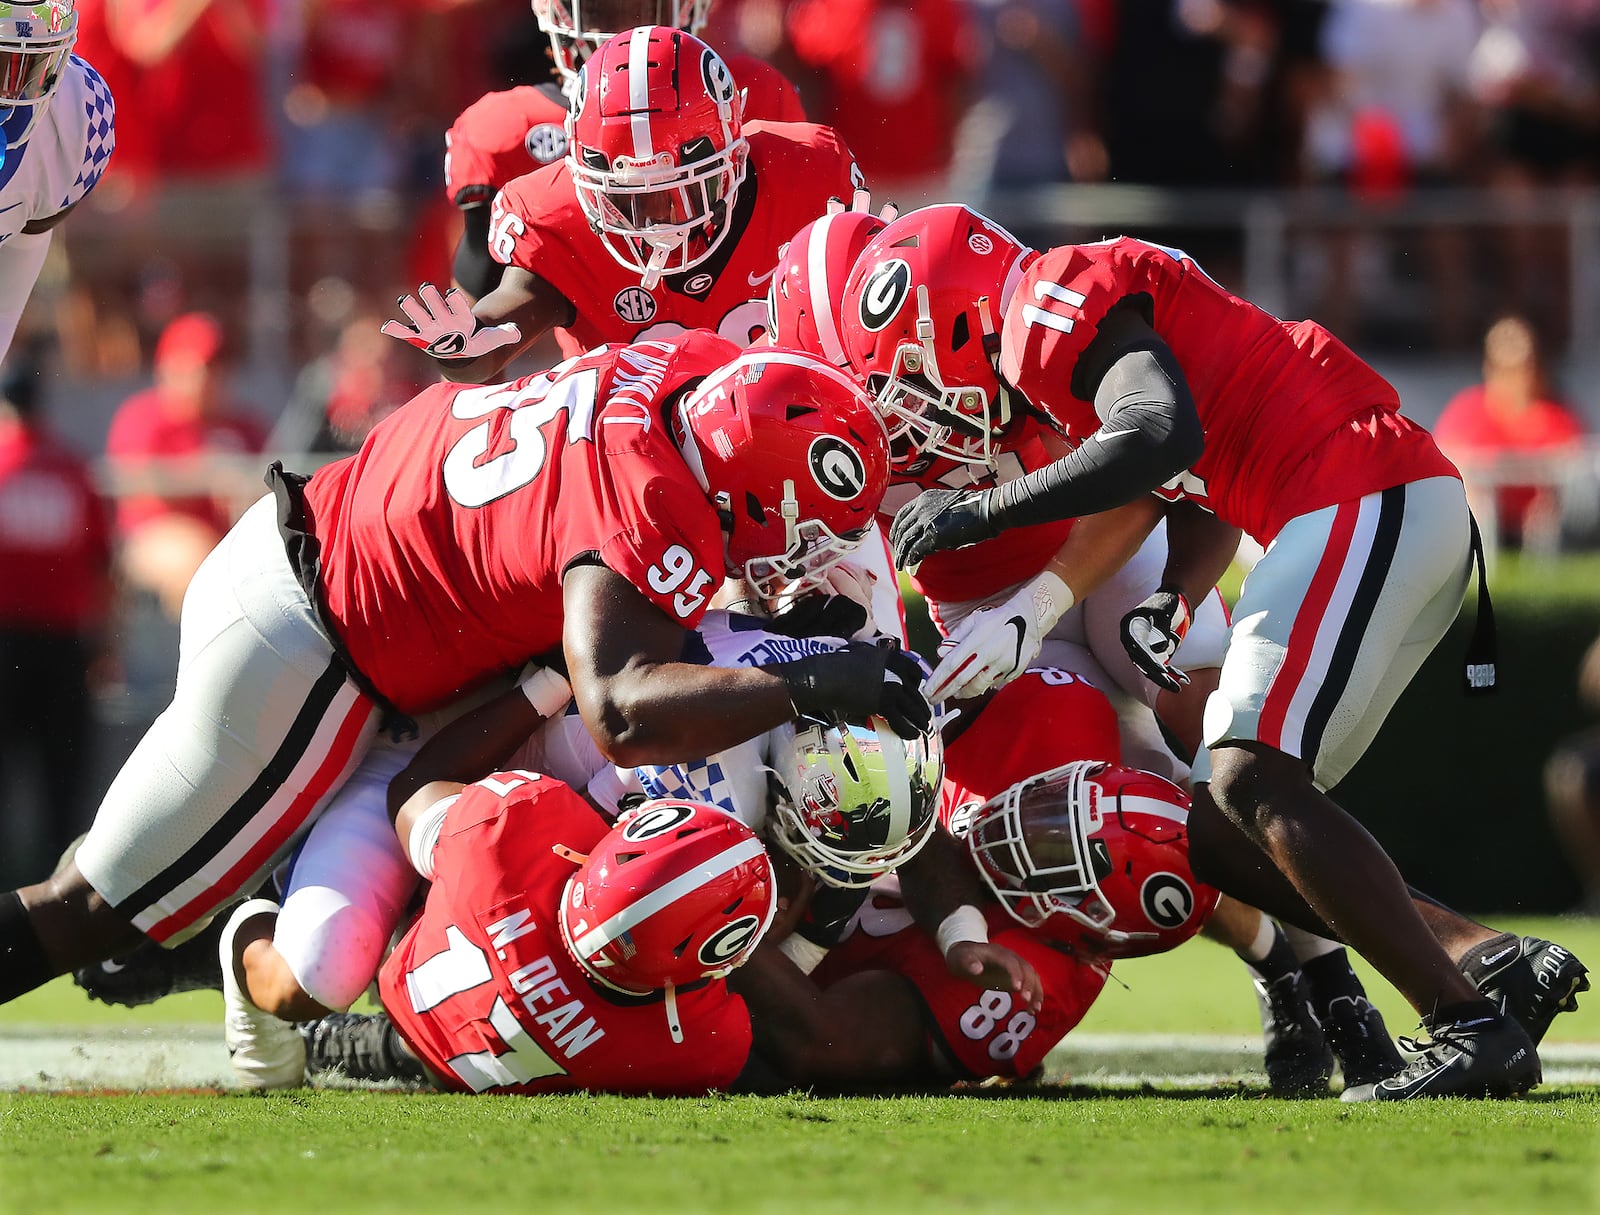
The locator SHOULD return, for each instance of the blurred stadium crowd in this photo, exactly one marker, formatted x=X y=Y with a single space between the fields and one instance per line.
x=1410 y=172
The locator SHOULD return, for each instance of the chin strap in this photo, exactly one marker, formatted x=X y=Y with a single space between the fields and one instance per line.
x=674 y=1026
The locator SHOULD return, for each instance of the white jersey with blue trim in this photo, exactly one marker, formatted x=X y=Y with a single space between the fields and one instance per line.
x=66 y=152
x=734 y=779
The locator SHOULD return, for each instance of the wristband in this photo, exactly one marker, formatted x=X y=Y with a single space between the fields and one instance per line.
x=965 y=923
x=546 y=691
x=1052 y=599
x=807 y=955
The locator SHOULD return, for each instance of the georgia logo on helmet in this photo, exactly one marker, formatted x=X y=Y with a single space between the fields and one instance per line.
x=1095 y=854
x=655 y=149
x=807 y=289
x=576 y=28
x=790 y=451
x=35 y=42
x=920 y=323
x=674 y=893
x=856 y=801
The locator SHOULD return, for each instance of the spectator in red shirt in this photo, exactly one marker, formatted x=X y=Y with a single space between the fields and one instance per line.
x=188 y=413
x=1510 y=414
x=55 y=551
x=891 y=76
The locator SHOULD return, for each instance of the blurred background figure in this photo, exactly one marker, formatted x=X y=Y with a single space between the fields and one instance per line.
x=893 y=77
x=346 y=391
x=1041 y=78
x=1396 y=114
x=192 y=173
x=1572 y=788
x=161 y=434
x=1511 y=414
x=1536 y=69
x=56 y=556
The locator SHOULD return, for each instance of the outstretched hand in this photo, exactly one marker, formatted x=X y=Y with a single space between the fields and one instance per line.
x=443 y=326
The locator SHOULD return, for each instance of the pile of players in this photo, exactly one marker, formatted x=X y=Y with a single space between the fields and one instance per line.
x=612 y=657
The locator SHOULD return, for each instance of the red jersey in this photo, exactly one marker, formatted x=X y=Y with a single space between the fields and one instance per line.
x=1293 y=420
x=482 y=986
x=794 y=168
x=504 y=135
x=145 y=428
x=1044 y=718
x=982 y=570
x=445 y=538
x=978 y=1032
x=55 y=544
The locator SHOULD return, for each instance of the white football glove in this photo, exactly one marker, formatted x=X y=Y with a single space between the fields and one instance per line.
x=443 y=326
x=995 y=645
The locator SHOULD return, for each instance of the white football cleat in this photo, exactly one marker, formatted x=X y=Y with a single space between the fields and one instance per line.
x=266 y=1052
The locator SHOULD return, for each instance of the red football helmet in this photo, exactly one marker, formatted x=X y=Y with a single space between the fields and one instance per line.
x=35 y=41
x=1097 y=853
x=655 y=150
x=577 y=27
x=676 y=892
x=921 y=322
x=807 y=288
x=795 y=459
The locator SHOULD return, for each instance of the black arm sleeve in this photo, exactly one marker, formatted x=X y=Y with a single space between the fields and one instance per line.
x=474 y=270
x=1149 y=433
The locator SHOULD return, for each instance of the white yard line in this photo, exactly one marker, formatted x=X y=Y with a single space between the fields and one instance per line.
x=192 y=1056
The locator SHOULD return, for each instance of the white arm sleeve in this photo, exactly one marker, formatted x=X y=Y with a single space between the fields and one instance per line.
x=21 y=259
x=425 y=830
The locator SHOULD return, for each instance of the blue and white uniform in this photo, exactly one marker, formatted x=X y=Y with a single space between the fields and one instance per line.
x=59 y=163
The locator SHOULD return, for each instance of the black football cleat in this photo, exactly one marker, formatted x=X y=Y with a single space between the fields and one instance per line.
x=1527 y=978
x=150 y=972
x=1299 y=1062
x=1360 y=1041
x=360 y=1046
x=1487 y=1056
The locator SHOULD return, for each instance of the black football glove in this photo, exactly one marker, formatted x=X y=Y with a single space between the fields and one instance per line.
x=938 y=519
x=860 y=681
x=1151 y=633
x=820 y=615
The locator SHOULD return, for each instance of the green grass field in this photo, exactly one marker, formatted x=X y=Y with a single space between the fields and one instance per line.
x=1084 y=1144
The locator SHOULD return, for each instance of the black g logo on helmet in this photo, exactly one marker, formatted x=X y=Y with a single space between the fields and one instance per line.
x=657 y=820
x=727 y=942
x=1167 y=900
x=884 y=291
x=719 y=80
x=838 y=468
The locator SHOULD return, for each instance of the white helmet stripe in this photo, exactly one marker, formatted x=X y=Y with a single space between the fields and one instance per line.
x=1152 y=806
x=639 y=90
x=822 y=301
x=596 y=939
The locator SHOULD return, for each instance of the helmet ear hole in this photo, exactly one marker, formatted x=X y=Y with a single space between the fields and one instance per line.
x=753 y=508
x=960 y=331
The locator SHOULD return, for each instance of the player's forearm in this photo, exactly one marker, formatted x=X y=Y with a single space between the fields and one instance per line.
x=1100 y=545
x=938 y=880
x=471 y=747
x=21 y=259
x=1200 y=548
x=669 y=713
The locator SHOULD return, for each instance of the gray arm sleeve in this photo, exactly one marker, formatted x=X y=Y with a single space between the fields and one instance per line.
x=1150 y=432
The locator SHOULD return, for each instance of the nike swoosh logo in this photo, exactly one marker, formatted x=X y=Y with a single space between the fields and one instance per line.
x=1016 y=623
x=755 y=280
x=1493 y=958
x=1103 y=434
x=110 y=966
